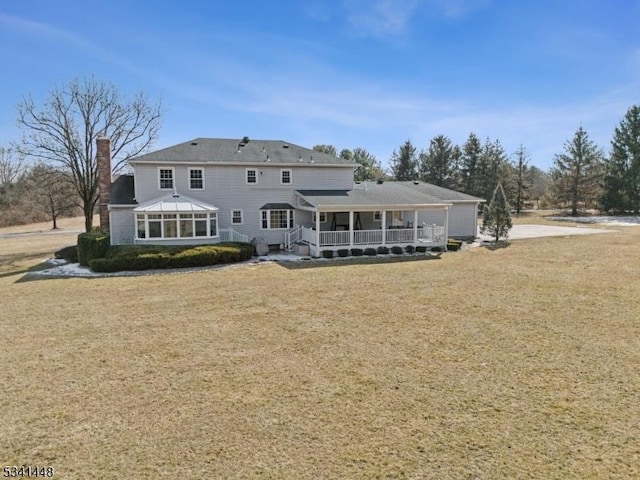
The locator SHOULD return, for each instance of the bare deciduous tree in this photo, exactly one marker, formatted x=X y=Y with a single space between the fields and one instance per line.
x=12 y=165
x=53 y=191
x=64 y=131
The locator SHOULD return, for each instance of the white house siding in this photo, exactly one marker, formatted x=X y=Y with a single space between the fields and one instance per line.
x=122 y=226
x=225 y=187
x=463 y=220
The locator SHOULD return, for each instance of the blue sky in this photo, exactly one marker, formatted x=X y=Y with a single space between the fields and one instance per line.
x=352 y=73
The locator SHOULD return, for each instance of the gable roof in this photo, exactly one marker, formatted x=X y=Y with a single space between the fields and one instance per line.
x=240 y=151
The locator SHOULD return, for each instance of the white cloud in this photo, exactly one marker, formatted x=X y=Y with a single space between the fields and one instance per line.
x=381 y=18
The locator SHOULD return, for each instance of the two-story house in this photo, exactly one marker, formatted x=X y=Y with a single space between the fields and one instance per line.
x=211 y=190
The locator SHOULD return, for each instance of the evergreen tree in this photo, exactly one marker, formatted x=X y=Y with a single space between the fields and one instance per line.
x=621 y=186
x=496 y=218
x=370 y=168
x=469 y=164
x=404 y=163
x=328 y=149
x=492 y=169
x=522 y=178
x=576 y=172
x=439 y=165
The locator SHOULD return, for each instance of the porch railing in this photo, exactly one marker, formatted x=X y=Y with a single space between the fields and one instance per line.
x=334 y=238
x=427 y=234
x=292 y=236
x=230 y=235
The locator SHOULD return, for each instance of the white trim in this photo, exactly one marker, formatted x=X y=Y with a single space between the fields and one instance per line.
x=246 y=176
x=193 y=169
x=290 y=170
x=323 y=217
x=241 y=216
x=211 y=218
x=173 y=178
x=290 y=218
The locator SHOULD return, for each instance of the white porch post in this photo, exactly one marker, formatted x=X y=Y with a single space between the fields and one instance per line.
x=446 y=226
x=351 y=228
x=383 y=220
x=415 y=225
x=318 y=230
x=475 y=213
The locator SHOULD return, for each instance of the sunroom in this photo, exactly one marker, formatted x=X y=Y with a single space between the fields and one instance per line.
x=176 y=219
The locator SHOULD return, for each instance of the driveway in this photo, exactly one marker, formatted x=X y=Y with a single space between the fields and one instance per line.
x=533 y=231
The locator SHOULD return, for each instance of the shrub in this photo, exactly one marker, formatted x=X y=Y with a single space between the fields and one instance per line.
x=356 y=252
x=327 y=254
x=410 y=249
x=383 y=250
x=148 y=257
x=436 y=249
x=343 y=252
x=70 y=254
x=397 y=250
x=371 y=252
x=91 y=246
x=453 y=245
x=421 y=248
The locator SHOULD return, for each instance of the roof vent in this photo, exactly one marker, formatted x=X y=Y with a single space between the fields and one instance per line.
x=286 y=145
x=268 y=159
x=194 y=143
x=416 y=182
x=380 y=181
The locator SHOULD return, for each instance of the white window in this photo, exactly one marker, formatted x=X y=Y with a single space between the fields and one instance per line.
x=286 y=176
x=196 y=179
x=377 y=216
x=252 y=175
x=236 y=217
x=276 y=219
x=323 y=217
x=177 y=225
x=165 y=178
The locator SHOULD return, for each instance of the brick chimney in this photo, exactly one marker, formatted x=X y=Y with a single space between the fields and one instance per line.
x=103 y=158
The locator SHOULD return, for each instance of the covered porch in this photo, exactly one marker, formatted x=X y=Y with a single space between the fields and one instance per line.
x=338 y=220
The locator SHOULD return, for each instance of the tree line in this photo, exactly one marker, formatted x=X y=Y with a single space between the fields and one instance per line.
x=582 y=176
x=474 y=168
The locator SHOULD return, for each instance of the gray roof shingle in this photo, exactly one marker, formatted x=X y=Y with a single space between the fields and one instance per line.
x=224 y=150
x=370 y=194
x=439 y=192
x=122 y=191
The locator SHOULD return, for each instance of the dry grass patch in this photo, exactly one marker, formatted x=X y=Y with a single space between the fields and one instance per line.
x=514 y=363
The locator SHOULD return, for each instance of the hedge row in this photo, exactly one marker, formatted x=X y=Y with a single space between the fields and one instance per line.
x=92 y=245
x=382 y=250
x=154 y=257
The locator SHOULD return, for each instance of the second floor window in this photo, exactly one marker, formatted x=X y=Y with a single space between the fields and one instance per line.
x=166 y=178
x=252 y=176
x=196 y=179
x=285 y=177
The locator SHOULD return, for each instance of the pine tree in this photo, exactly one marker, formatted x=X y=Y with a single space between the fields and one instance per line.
x=370 y=168
x=496 y=218
x=621 y=186
x=328 y=149
x=522 y=181
x=404 y=163
x=577 y=172
x=469 y=165
x=492 y=169
x=439 y=165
